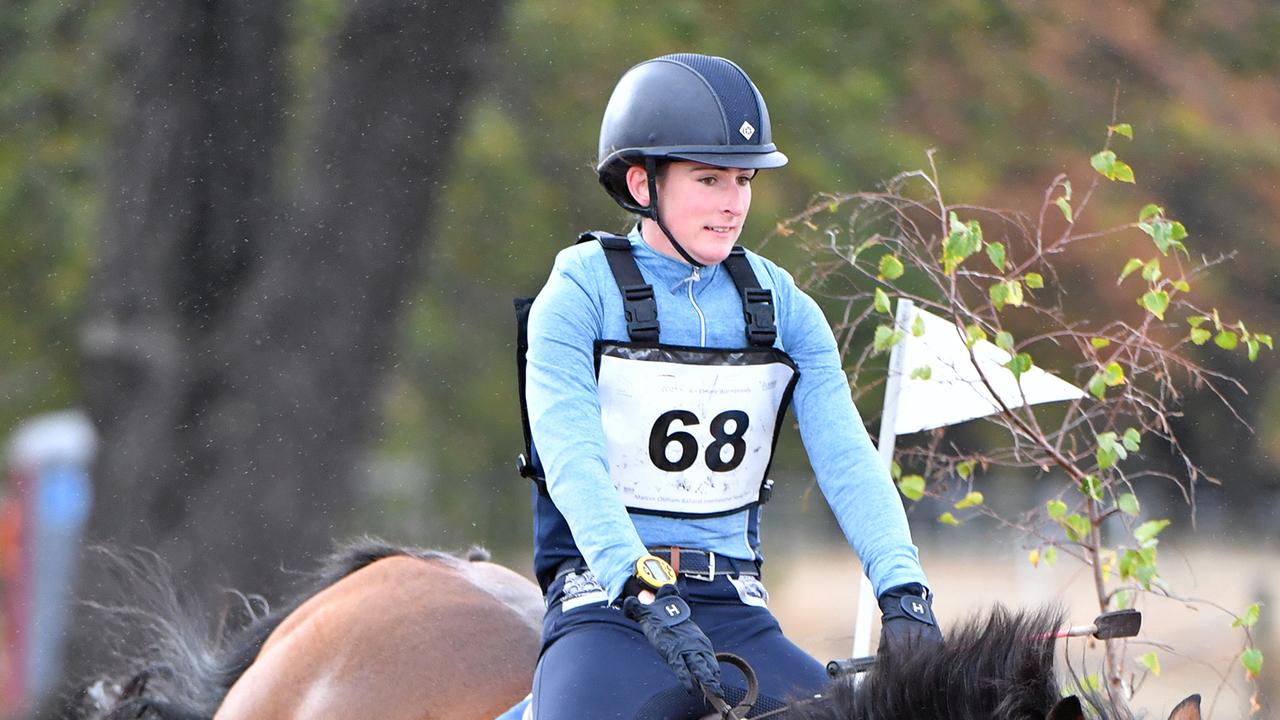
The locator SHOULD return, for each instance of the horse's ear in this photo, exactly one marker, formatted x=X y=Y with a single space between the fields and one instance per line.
x=1068 y=708
x=1188 y=709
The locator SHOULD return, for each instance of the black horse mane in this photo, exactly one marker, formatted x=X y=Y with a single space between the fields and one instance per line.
x=998 y=666
x=183 y=669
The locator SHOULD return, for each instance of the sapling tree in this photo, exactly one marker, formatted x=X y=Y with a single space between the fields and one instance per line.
x=999 y=276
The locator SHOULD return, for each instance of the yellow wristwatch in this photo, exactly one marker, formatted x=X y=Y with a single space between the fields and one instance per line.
x=653 y=572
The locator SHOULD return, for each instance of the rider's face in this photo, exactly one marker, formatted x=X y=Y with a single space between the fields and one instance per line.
x=703 y=206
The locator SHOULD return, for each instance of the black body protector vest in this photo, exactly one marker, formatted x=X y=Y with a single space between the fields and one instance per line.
x=689 y=431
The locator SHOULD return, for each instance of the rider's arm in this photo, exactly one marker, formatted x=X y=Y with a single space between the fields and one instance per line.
x=848 y=468
x=564 y=417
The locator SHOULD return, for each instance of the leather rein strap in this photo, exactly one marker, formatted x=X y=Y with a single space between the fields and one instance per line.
x=739 y=711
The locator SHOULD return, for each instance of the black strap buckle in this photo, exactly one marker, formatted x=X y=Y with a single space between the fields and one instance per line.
x=524 y=467
x=757 y=308
x=641 y=312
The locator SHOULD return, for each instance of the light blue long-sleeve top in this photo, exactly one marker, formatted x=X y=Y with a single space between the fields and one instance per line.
x=581 y=303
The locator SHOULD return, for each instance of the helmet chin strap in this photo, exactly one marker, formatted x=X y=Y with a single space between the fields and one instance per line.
x=651 y=170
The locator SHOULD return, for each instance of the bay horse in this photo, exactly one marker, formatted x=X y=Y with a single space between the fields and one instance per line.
x=406 y=634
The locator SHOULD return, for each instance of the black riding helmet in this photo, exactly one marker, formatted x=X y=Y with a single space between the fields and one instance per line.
x=682 y=107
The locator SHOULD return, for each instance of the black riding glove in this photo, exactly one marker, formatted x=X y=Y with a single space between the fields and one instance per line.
x=907 y=619
x=669 y=625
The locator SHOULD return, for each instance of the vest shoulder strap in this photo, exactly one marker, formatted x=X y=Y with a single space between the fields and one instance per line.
x=638 y=303
x=526 y=462
x=757 y=303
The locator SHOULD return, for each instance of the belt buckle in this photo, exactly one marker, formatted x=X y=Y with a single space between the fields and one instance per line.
x=711 y=569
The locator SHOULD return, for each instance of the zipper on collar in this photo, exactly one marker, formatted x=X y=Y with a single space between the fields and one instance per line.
x=694 y=277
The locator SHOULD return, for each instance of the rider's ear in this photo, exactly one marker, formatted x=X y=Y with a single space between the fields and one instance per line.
x=638 y=184
x=1068 y=708
x=1188 y=709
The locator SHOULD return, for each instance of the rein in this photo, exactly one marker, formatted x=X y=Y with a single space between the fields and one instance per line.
x=739 y=711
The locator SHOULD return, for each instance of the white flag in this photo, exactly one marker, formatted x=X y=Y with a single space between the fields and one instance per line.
x=954 y=392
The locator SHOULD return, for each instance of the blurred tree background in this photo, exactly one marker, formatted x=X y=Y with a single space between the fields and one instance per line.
x=1009 y=92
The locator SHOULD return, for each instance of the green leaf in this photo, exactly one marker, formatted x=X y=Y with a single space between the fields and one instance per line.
x=1035 y=281
x=1251 y=659
x=1019 y=364
x=1077 y=526
x=972 y=499
x=1091 y=487
x=924 y=372
x=1252 y=344
x=1004 y=341
x=1148 y=530
x=965 y=469
x=947 y=518
x=1264 y=339
x=1156 y=302
x=1104 y=162
x=1200 y=336
x=1139 y=565
x=917 y=326
x=911 y=487
x=1006 y=292
x=1132 y=439
x=890 y=267
x=1150 y=662
x=1099 y=342
x=1166 y=234
x=1249 y=618
x=1124 y=129
x=995 y=251
x=1122 y=172
x=895 y=470
x=1109 y=167
x=1226 y=340
x=886 y=337
x=1128 y=504
x=1065 y=207
x=1098 y=386
x=1107 y=455
x=1149 y=211
x=1113 y=375
x=1050 y=556
x=999 y=293
x=1124 y=599
x=1056 y=509
x=1196 y=321
x=964 y=240
x=1129 y=267
x=882 y=301
x=1182 y=286
x=1151 y=271
x=973 y=333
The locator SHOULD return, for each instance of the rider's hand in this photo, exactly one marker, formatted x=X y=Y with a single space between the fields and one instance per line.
x=907 y=618
x=669 y=625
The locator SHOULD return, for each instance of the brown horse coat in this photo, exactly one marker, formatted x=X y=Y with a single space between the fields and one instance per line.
x=404 y=638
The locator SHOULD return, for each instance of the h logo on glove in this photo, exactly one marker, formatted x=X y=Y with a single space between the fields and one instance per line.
x=918 y=607
x=673 y=610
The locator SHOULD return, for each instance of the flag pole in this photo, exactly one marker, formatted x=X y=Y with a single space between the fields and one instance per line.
x=888 y=438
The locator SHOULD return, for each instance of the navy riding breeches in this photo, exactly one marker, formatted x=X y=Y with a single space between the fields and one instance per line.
x=597 y=664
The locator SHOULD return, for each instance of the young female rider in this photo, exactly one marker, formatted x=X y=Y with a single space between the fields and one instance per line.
x=658 y=369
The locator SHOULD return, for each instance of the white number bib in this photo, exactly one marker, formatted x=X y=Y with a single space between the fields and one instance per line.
x=691 y=431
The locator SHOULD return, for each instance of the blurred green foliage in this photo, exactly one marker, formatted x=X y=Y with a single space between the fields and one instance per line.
x=1009 y=93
